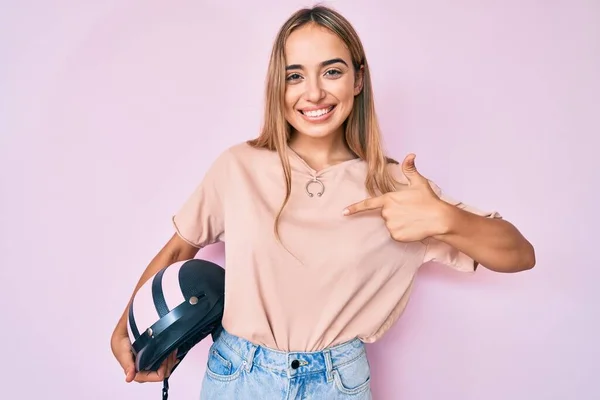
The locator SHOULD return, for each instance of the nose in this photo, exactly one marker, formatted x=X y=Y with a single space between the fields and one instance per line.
x=314 y=90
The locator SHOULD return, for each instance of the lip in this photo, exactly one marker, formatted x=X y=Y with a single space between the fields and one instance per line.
x=320 y=118
x=319 y=107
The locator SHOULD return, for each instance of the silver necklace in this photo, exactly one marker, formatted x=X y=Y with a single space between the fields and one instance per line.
x=315 y=181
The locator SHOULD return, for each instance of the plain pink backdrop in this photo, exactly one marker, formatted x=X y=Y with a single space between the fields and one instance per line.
x=110 y=113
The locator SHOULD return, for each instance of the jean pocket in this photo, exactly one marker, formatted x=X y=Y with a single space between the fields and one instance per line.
x=223 y=363
x=354 y=377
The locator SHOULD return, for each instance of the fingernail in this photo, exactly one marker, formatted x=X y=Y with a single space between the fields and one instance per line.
x=346 y=211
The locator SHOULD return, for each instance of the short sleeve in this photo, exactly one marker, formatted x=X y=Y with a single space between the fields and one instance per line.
x=201 y=219
x=445 y=254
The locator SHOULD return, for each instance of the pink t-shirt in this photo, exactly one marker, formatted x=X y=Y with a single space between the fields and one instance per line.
x=337 y=278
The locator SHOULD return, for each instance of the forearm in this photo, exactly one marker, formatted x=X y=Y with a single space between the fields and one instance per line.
x=494 y=243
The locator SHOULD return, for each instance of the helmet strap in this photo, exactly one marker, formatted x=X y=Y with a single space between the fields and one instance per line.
x=165 y=390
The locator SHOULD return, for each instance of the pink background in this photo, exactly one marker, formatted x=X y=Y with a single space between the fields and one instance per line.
x=110 y=112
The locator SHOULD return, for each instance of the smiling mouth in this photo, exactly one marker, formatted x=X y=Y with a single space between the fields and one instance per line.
x=317 y=113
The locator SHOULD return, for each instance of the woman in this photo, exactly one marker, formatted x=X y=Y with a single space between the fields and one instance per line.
x=324 y=232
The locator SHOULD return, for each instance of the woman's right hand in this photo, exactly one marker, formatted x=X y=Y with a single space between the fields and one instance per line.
x=121 y=348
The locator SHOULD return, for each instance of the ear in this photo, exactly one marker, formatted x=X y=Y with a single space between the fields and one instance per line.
x=358 y=80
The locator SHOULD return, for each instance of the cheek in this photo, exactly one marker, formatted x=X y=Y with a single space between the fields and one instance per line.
x=349 y=91
x=344 y=90
x=291 y=97
x=346 y=98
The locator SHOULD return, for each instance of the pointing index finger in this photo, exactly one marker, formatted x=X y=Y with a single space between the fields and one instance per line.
x=364 y=205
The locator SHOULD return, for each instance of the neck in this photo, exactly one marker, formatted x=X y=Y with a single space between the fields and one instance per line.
x=321 y=152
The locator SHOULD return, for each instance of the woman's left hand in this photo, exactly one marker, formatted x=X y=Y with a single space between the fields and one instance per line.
x=411 y=213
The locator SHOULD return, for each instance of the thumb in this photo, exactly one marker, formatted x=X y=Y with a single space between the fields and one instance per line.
x=121 y=348
x=128 y=365
x=129 y=372
x=410 y=169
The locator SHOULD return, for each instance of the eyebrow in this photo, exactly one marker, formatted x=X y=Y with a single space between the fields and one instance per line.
x=323 y=64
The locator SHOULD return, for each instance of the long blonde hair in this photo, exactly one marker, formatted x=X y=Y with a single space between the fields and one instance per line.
x=362 y=133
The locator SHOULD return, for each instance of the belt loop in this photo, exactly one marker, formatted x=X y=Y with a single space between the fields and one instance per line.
x=250 y=358
x=328 y=365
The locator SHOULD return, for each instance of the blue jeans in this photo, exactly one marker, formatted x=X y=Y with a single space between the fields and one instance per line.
x=238 y=370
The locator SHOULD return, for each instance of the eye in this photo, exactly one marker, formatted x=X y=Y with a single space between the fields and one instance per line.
x=293 y=77
x=333 y=73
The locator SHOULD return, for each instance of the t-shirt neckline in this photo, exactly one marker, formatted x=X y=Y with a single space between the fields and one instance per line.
x=319 y=172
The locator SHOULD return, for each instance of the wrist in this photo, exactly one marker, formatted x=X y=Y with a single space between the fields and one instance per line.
x=447 y=219
x=120 y=330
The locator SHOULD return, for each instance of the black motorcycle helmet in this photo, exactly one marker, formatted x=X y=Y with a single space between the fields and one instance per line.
x=174 y=310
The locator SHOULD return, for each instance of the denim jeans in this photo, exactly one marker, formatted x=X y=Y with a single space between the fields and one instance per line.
x=238 y=370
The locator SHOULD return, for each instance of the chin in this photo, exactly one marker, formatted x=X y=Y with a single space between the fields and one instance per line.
x=317 y=133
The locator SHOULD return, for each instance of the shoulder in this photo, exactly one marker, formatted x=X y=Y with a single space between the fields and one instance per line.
x=238 y=153
x=238 y=160
x=244 y=152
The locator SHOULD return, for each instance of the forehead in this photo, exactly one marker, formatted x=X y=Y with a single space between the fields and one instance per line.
x=312 y=44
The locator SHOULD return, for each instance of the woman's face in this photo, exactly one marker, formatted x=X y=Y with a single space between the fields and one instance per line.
x=320 y=82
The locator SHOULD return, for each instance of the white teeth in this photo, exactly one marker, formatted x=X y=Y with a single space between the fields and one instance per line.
x=317 y=113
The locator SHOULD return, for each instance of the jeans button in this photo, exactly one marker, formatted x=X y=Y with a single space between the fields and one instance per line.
x=295 y=364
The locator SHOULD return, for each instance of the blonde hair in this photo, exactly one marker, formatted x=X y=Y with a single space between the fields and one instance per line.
x=361 y=130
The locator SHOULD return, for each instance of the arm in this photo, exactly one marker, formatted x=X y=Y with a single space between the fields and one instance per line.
x=417 y=210
x=494 y=243
x=176 y=249
x=198 y=223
